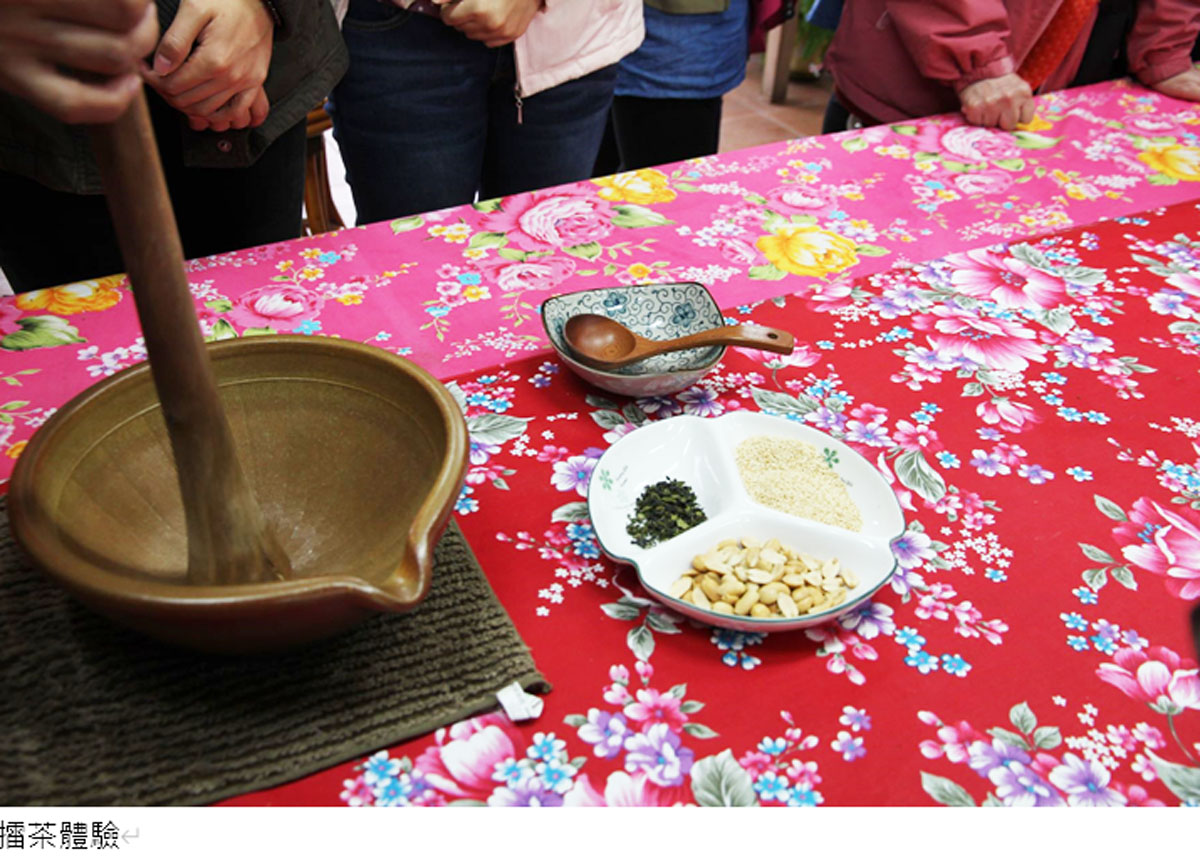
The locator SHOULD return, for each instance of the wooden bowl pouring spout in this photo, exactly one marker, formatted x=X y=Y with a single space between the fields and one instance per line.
x=356 y=457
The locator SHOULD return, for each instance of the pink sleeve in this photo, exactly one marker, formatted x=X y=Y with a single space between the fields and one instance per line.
x=954 y=42
x=1160 y=44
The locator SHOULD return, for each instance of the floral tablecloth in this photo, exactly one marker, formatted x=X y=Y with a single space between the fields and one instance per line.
x=1031 y=402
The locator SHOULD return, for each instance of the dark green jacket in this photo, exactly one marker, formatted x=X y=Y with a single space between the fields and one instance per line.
x=309 y=57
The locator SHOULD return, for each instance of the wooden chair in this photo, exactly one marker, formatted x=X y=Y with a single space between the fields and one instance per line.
x=321 y=214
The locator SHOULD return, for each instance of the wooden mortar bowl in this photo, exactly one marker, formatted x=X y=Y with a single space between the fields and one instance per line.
x=355 y=455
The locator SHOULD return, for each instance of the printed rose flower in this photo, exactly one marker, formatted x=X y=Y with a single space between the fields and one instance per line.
x=983 y=182
x=796 y=199
x=653 y=707
x=1174 y=160
x=1157 y=676
x=1006 y=280
x=806 y=250
x=1008 y=415
x=463 y=760
x=737 y=251
x=623 y=790
x=1185 y=282
x=977 y=144
x=92 y=295
x=280 y=307
x=538 y=274
x=802 y=355
x=989 y=342
x=565 y=216
x=1151 y=124
x=644 y=186
x=1167 y=543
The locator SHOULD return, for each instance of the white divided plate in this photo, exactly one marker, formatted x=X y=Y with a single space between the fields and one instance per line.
x=701 y=453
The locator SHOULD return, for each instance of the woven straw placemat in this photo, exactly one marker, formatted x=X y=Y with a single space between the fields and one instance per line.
x=92 y=714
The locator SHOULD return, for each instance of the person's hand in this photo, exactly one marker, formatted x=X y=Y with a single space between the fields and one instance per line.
x=41 y=40
x=1185 y=85
x=212 y=61
x=492 y=22
x=1004 y=101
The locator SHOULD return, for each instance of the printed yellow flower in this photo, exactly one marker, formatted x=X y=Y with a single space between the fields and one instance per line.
x=807 y=250
x=15 y=450
x=475 y=253
x=476 y=292
x=644 y=186
x=1174 y=160
x=350 y=299
x=1037 y=124
x=639 y=271
x=853 y=196
x=92 y=295
x=311 y=253
x=310 y=273
x=284 y=266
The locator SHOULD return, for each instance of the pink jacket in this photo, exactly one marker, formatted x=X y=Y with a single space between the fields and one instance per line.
x=568 y=39
x=898 y=59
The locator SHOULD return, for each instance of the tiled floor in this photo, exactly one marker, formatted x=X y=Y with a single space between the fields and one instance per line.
x=747 y=119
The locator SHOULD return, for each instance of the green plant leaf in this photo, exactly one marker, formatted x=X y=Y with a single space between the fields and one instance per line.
x=406 y=223
x=1034 y=141
x=575 y=720
x=915 y=473
x=972 y=388
x=678 y=691
x=641 y=642
x=699 y=730
x=691 y=706
x=782 y=403
x=489 y=205
x=1182 y=780
x=1022 y=717
x=512 y=254
x=487 y=240
x=853 y=145
x=768 y=272
x=660 y=623
x=1046 y=737
x=905 y=129
x=496 y=428
x=1124 y=576
x=636 y=216
x=1010 y=164
x=945 y=791
x=621 y=611
x=608 y=419
x=1009 y=737
x=1162 y=180
x=41 y=331
x=870 y=250
x=576 y=511
x=685 y=187
x=587 y=251
x=719 y=781
x=1095 y=553
x=1110 y=509
x=803 y=219
x=1095 y=578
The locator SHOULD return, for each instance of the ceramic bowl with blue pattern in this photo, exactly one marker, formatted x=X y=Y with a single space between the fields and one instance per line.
x=661 y=311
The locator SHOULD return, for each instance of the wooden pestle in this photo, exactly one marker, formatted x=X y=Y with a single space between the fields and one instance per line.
x=227 y=536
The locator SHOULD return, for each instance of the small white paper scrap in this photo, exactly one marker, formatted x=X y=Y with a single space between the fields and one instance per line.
x=518 y=704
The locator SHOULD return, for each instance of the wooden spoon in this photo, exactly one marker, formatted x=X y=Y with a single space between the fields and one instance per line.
x=607 y=344
x=228 y=539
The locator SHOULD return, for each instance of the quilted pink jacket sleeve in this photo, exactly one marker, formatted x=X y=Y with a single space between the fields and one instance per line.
x=954 y=42
x=1161 y=41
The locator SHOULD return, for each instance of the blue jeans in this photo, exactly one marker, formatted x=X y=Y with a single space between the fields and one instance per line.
x=426 y=118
